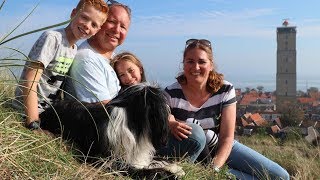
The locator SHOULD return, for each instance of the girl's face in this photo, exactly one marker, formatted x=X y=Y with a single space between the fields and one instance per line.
x=128 y=73
x=196 y=66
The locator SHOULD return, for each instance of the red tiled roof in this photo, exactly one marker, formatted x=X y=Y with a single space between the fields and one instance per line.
x=247 y=99
x=252 y=97
x=275 y=129
x=306 y=100
x=244 y=122
x=258 y=120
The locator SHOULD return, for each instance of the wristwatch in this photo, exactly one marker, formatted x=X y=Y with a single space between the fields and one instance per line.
x=34 y=125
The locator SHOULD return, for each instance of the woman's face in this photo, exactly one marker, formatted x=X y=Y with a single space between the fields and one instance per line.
x=196 y=66
x=128 y=73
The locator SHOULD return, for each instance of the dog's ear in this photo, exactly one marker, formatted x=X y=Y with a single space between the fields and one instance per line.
x=158 y=114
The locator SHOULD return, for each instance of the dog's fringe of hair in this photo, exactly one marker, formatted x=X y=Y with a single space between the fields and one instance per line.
x=124 y=142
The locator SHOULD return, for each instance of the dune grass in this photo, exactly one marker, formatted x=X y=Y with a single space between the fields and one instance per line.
x=297 y=156
x=26 y=154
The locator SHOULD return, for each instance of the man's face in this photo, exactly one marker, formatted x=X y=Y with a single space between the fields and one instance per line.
x=115 y=29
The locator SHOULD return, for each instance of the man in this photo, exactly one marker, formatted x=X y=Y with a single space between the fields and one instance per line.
x=92 y=78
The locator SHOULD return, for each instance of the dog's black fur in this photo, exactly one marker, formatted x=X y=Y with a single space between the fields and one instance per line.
x=100 y=131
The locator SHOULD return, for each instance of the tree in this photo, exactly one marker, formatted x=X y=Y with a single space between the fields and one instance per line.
x=260 y=88
x=291 y=114
x=313 y=92
x=247 y=90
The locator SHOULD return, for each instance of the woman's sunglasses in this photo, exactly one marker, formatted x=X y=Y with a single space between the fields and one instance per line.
x=201 y=41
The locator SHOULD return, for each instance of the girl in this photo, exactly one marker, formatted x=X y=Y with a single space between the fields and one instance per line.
x=129 y=69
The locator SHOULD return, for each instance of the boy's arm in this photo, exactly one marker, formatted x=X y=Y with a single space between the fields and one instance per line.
x=30 y=97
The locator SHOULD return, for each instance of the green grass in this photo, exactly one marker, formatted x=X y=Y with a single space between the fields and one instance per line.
x=25 y=154
x=301 y=159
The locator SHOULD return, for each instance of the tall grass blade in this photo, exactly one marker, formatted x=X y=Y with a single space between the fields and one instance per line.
x=2 y=4
x=16 y=50
x=18 y=24
x=34 y=31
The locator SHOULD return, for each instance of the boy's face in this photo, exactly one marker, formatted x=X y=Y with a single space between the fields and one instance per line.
x=86 y=22
x=128 y=73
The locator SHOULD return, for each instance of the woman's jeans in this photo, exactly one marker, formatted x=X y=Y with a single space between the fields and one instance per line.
x=245 y=163
x=190 y=147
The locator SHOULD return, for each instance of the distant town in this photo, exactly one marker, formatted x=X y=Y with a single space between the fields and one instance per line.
x=286 y=107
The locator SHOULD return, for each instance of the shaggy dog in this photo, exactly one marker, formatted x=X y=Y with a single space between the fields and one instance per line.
x=129 y=128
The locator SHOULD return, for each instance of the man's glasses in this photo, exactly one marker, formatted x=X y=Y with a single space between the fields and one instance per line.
x=113 y=2
x=196 y=41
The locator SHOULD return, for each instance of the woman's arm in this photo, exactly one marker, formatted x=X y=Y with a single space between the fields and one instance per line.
x=226 y=135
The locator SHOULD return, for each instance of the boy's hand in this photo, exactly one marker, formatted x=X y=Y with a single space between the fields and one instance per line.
x=33 y=125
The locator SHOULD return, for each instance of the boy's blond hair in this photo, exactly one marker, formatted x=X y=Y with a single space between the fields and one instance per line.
x=100 y=5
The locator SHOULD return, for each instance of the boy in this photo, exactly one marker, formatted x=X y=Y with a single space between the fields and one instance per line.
x=51 y=56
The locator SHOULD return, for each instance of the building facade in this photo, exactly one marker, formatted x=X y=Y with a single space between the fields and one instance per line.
x=286 y=78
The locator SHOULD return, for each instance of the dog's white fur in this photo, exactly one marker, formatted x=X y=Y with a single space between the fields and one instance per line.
x=139 y=154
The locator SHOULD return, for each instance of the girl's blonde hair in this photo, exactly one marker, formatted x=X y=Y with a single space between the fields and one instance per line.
x=128 y=56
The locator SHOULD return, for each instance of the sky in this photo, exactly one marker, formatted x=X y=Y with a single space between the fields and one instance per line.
x=242 y=32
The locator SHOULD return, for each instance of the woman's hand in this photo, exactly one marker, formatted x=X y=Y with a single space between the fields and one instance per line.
x=179 y=129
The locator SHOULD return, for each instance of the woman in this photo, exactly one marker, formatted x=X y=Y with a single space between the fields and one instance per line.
x=201 y=95
x=130 y=71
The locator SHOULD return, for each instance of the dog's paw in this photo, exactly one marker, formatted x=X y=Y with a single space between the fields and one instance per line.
x=175 y=169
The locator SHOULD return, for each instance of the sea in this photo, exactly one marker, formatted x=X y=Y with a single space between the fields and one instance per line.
x=243 y=81
x=268 y=82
